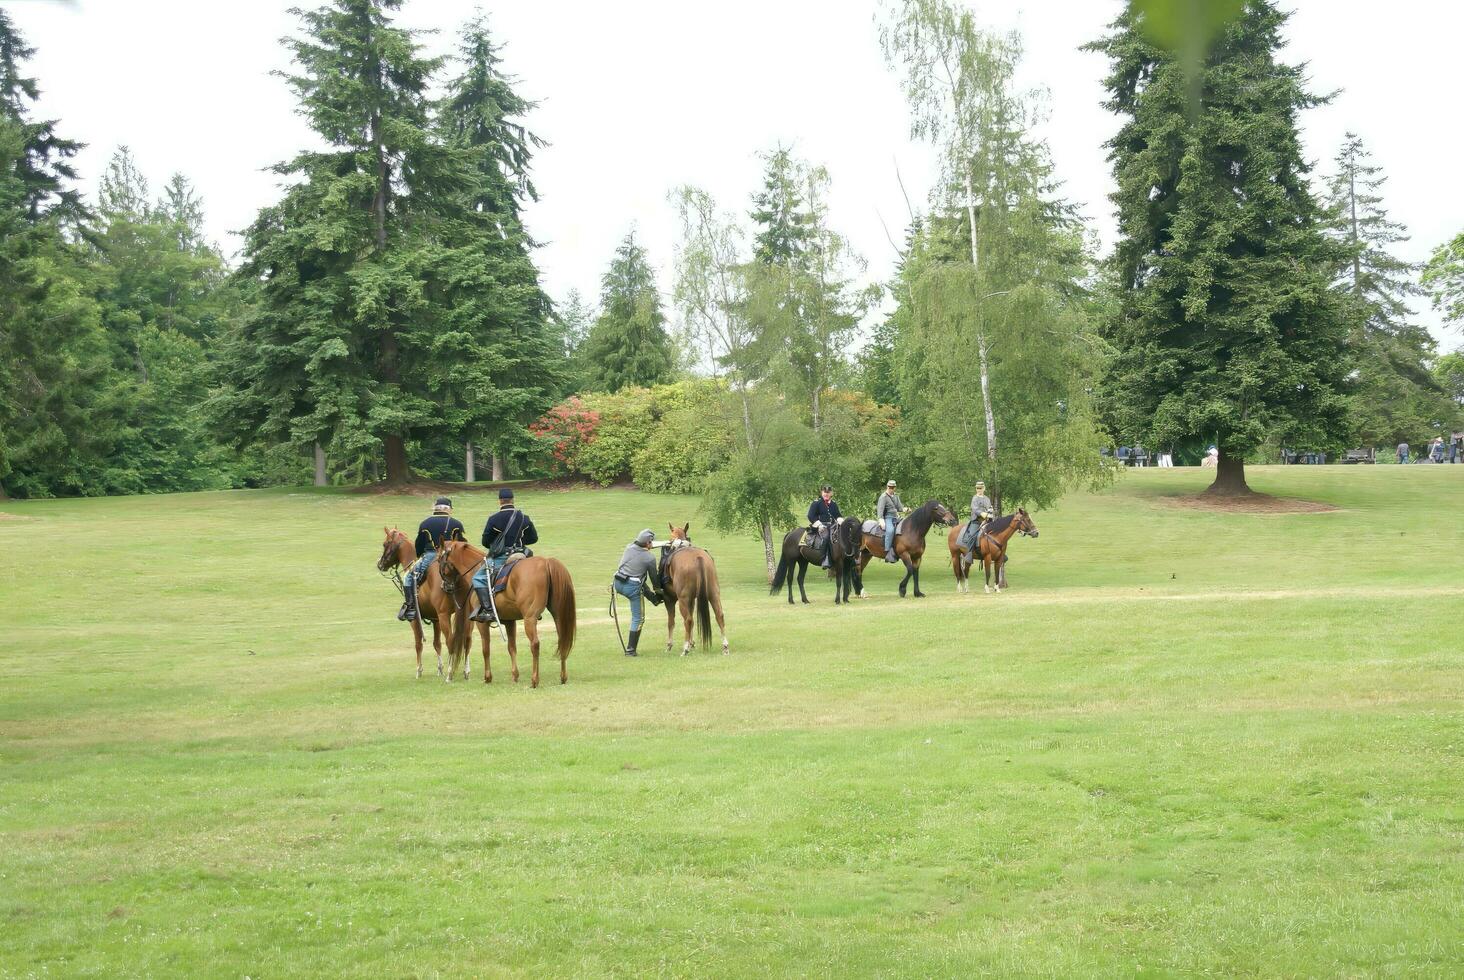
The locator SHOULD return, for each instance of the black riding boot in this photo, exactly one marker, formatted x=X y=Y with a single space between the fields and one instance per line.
x=484 y=612
x=408 y=612
x=634 y=639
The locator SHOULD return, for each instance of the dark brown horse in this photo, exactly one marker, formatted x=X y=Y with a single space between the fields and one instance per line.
x=536 y=584
x=992 y=549
x=909 y=542
x=433 y=604
x=844 y=545
x=689 y=579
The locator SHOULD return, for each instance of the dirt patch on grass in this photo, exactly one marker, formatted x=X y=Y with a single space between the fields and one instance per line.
x=1249 y=503
x=421 y=487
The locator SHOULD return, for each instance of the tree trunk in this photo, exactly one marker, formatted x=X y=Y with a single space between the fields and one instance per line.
x=990 y=422
x=497 y=468
x=470 y=472
x=767 y=536
x=319 y=465
x=1229 y=477
x=398 y=470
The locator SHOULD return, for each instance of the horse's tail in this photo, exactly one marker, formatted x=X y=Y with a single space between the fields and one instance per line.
x=707 y=580
x=561 y=604
x=779 y=575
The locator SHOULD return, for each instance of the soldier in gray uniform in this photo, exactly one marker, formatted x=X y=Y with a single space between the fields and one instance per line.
x=638 y=564
x=981 y=513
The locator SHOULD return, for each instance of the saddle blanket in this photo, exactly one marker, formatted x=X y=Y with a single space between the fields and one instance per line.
x=500 y=581
x=872 y=526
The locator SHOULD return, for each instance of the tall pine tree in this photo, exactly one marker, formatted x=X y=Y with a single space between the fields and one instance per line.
x=628 y=343
x=356 y=270
x=1228 y=327
x=1395 y=396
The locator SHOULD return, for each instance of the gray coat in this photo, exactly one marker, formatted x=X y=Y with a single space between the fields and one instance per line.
x=980 y=504
x=889 y=503
x=636 y=563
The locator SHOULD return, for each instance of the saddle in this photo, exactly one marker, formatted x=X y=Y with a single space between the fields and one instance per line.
x=872 y=526
x=500 y=581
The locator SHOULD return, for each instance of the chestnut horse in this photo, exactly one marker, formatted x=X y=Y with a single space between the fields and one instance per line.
x=993 y=549
x=535 y=585
x=433 y=603
x=909 y=542
x=689 y=579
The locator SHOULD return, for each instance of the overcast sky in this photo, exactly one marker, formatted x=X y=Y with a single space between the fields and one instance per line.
x=638 y=97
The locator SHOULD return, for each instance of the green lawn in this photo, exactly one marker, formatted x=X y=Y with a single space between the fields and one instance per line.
x=1183 y=743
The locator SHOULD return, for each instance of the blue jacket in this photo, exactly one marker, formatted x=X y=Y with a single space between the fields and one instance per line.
x=518 y=526
x=436 y=529
x=826 y=512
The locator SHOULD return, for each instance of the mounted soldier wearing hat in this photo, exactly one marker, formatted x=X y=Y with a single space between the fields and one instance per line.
x=822 y=514
x=507 y=533
x=888 y=512
x=981 y=514
x=440 y=527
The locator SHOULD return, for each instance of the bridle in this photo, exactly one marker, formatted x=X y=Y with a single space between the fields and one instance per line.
x=393 y=548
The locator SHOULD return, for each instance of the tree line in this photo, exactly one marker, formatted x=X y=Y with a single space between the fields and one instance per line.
x=386 y=320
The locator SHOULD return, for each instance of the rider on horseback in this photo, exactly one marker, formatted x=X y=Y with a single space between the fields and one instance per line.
x=507 y=532
x=440 y=527
x=888 y=512
x=822 y=514
x=638 y=571
x=981 y=514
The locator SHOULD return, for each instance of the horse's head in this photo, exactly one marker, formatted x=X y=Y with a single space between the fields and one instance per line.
x=455 y=562
x=1024 y=523
x=847 y=537
x=680 y=536
x=944 y=514
x=391 y=550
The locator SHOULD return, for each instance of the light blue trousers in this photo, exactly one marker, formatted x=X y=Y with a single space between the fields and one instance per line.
x=480 y=580
x=415 y=573
x=890 y=523
x=632 y=591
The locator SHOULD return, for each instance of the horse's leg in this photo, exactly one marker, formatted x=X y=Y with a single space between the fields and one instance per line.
x=909 y=573
x=986 y=571
x=916 y=572
x=467 y=643
x=1001 y=581
x=715 y=598
x=531 y=630
x=511 y=628
x=417 y=642
x=437 y=642
x=671 y=618
x=802 y=571
x=487 y=641
x=687 y=614
x=790 y=585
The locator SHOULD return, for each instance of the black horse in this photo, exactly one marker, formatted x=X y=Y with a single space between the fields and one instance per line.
x=844 y=547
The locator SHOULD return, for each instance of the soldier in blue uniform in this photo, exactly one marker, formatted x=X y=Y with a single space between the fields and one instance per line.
x=440 y=527
x=821 y=516
x=506 y=532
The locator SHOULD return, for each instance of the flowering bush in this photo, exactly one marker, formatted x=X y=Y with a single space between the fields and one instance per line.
x=567 y=429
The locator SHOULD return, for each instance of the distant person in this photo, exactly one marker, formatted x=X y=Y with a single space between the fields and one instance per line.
x=982 y=512
x=1402 y=452
x=638 y=573
x=1211 y=459
x=1436 y=449
x=440 y=527
x=822 y=514
x=888 y=512
x=1456 y=447
x=506 y=533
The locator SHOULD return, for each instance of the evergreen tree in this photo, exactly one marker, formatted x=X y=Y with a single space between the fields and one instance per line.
x=1394 y=394
x=355 y=339
x=576 y=316
x=59 y=413
x=519 y=367
x=628 y=344
x=785 y=221
x=1228 y=327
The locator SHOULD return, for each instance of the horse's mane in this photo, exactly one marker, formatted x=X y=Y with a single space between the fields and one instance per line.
x=1000 y=524
x=463 y=547
x=924 y=515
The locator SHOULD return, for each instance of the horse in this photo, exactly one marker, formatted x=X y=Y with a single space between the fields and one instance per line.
x=689 y=579
x=536 y=584
x=843 y=551
x=993 y=548
x=909 y=542
x=433 y=603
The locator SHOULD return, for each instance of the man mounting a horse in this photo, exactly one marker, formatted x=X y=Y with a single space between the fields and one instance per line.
x=440 y=527
x=507 y=533
x=822 y=514
x=638 y=572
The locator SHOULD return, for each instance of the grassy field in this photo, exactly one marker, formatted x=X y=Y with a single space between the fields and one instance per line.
x=1183 y=743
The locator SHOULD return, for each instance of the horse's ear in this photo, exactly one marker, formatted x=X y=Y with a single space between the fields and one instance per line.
x=687 y=529
x=671 y=526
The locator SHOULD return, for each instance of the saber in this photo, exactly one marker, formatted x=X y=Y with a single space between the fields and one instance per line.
x=493 y=603
x=616 y=616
